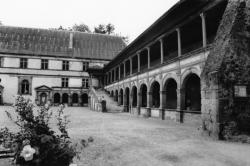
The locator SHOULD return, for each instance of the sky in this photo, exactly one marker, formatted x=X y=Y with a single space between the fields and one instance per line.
x=130 y=17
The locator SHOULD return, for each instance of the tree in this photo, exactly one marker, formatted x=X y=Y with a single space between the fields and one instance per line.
x=81 y=28
x=105 y=29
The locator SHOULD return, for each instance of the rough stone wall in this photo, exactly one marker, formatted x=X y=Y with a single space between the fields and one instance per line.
x=228 y=64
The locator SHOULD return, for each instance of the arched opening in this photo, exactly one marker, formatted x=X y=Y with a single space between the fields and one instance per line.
x=43 y=98
x=75 y=98
x=127 y=99
x=121 y=97
x=116 y=95
x=112 y=94
x=85 y=99
x=192 y=93
x=134 y=96
x=171 y=94
x=143 y=91
x=65 y=98
x=155 y=89
x=25 y=87
x=57 y=98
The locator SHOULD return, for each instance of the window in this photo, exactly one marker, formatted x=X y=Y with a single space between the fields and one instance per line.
x=85 y=82
x=85 y=66
x=65 y=65
x=1 y=62
x=65 y=82
x=25 y=87
x=44 y=64
x=23 y=63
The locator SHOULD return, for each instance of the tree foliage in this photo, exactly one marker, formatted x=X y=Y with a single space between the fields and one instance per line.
x=81 y=28
x=104 y=29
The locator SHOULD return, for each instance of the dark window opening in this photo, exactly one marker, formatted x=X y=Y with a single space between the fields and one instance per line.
x=127 y=66
x=25 y=87
x=65 y=65
x=144 y=60
x=65 y=82
x=23 y=63
x=155 y=54
x=44 y=64
x=135 y=64
x=170 y=47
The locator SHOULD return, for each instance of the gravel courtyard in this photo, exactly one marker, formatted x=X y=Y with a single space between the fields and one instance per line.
x=121 y=139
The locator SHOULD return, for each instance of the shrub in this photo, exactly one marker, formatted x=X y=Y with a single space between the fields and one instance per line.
x=35 y=143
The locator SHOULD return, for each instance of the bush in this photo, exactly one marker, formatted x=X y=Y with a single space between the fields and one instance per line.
x=36 y=144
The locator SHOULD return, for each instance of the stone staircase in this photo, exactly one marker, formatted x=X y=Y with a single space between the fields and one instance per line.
x=111 y=105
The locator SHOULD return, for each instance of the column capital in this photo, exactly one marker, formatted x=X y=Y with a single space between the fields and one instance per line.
x=203 y=15
x=161 y=40
x=178 y=30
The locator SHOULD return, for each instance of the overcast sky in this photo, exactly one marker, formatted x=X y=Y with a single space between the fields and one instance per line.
x=130 y=17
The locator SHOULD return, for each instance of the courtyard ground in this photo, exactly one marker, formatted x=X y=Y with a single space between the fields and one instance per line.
x=121 y=139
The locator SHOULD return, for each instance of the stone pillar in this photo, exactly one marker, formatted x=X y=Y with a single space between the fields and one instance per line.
x=138 y=102
x=204 y=29
x=125 y=107
x=162 y=104
x=148 y=48
x=119 y=73
x=179 y=41
x=180 y=101
x=139 y=62
x=149 y=102
x=131 y=65
x=119 y=99
x=79 y=100
x=162 y=50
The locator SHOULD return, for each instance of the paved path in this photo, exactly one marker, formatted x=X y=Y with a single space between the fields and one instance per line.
x=124 y=140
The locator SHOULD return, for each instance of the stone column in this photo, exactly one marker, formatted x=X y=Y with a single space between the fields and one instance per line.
x=131 y=65
x=204 y=29
x=124 y=69
x=125 y=107
x=148 y=48
x=138 y=102
x=119 y=73
x=111 y=77
x=149 y=102
x=79 y=100
x=162 y=104
x=179 y=41
x=114 y=75
x=180 y=101
x=139 y=63
x=162 y=50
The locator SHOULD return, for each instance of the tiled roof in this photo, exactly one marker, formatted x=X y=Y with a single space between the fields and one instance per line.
x=34 y=41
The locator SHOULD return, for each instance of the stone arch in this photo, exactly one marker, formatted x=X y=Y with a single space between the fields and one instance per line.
x=85 y=98
x=121 y=94
x=116 y=95
x=170 y=92
x=170 y=76
x=155 y=88
x=126 y=99
x=191 y=93
x=74 y=98
x=57 y=98
x=192 y=70
x=143 y=95
x=134 y=96
x=65 y=98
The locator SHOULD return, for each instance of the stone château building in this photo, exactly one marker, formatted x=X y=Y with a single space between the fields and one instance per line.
x=51 y=65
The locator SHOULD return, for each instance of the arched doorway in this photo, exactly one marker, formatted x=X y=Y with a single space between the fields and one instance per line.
x=143 y=91
x=116 y=95
x=155 y=89
x=171 y=94
x=85 y=99
x=112 y=94
x=65 y=98
x=74 y=98
x=121 y=97
x=192 y=98
x=43 y=98
x=57 y=98
x=134 y=96
x=127 y=100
